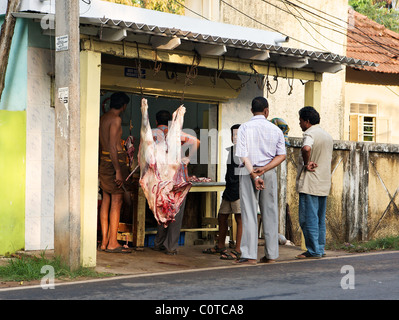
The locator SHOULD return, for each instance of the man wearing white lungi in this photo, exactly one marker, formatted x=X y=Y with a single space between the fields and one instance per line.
x=261 y=148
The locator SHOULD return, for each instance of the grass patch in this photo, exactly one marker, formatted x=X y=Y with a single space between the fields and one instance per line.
x=29 y=268
x=388 y=243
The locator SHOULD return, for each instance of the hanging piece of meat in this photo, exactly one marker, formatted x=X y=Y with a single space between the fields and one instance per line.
x=160 y=178
x=199 y=179
x=129 y=147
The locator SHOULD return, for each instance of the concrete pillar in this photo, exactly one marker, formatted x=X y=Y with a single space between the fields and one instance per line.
x=90 y=75
x=67 y=135
x=313 y=94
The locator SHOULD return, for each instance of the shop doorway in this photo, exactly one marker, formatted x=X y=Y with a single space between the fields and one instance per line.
x=199 y=116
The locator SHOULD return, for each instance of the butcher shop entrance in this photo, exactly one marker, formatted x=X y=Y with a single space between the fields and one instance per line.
x=166 y=87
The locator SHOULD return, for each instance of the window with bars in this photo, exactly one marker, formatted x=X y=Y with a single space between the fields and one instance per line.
x=366 y=125
x=363 y=118
x=368 y=129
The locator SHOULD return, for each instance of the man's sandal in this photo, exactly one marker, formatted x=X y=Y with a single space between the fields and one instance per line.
x=214 y=250
x=227 y=256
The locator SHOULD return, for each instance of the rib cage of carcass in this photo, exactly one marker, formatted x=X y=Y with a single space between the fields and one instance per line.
x=160 y=178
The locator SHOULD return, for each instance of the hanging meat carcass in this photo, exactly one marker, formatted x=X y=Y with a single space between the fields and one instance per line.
x=160 y=178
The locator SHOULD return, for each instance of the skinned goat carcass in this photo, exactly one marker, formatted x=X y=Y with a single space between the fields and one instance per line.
x=160 y=178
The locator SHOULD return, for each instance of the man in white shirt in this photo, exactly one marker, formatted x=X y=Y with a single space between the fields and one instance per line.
x=313 y=182
x=261 y=148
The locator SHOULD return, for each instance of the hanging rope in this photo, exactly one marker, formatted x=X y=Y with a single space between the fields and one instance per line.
x=138 y=65
x=191 y=73
x=290 y=84
x=170 y=77
x=157 y=66
x=217 y=73
x=242 y=85
x=268 y=84
x=259 y=79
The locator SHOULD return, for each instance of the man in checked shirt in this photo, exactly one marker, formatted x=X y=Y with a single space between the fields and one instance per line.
x=261 y=148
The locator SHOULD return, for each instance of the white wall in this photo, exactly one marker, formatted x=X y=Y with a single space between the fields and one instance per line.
x=302 y=35
x=39 y=199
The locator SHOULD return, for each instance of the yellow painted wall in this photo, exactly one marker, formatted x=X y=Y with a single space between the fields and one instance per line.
x=386 y=98
x=90 y=73
x=12 y=181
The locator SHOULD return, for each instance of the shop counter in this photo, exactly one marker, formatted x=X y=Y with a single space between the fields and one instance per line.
x=208 y=188
x=137 y=234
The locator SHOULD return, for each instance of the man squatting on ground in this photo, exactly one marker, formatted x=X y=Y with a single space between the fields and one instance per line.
x=261 y=148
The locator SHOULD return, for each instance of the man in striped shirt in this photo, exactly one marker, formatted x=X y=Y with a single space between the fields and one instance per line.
x=261 y=148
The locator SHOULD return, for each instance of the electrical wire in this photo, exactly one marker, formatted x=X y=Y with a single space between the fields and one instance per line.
x=377 y=42
x=302 y=17
x=333 y=29
x=261 y=23
x=310 y=24
x=185 y=7
x=343 y=33
x=366 y=36
x=300 y=22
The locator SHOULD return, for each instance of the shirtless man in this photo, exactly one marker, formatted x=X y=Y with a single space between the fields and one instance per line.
x=113 y=171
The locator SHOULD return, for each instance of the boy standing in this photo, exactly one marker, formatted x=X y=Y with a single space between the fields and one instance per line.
x=230 y=204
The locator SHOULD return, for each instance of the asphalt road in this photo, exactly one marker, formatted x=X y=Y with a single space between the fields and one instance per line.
x=365 y=277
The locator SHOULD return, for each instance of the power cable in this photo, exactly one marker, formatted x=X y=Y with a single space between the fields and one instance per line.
x=366 y=36
x=261 y=23
x=349 y=36
x=185 y=7
x=324 y=19
x=300 y=22
x=310 y=24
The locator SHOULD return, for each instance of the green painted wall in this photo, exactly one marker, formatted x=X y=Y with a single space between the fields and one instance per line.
x=13 y=105
x=12 y=181
x=14 y=96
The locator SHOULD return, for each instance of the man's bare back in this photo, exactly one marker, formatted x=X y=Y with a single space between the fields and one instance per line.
x=112 y=172
x=110 y=139
x=108 y=120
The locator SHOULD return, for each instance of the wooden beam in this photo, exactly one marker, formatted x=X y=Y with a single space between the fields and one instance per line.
x=327 y=67
x=210 y=49
x=292 y=62
x=242 y=66
x=165 y=43
x=253 y=55
x=110 y=34
x=139 y=220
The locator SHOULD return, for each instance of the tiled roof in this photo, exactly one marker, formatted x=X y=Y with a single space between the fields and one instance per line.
x=370 y=41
